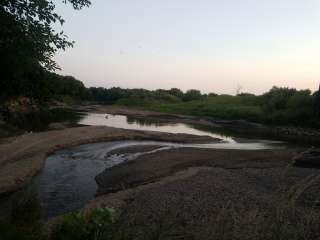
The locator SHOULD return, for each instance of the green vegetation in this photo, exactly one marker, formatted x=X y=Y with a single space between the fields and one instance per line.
x=281 y=106
x=28 y=41
x=96 y=225
x=278 y=106
x=27 y=222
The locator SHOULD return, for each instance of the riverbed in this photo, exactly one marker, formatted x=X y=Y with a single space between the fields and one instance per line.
x=67 y=181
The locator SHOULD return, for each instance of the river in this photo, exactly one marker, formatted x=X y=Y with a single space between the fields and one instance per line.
x=67 y=181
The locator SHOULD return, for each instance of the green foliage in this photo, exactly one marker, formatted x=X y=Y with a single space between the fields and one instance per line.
x=277 y=98
x=61 y=86
x=131 y=97
x=96 y=225
x=26 y=222
x=44 y=86
x=191 y=95
x=28 y=31
x=176 y=92
x=28 y=41
x=281 y=106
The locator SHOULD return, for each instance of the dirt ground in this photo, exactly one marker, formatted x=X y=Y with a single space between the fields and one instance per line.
x=152 y=167
x=24 y=156
x=212 y=194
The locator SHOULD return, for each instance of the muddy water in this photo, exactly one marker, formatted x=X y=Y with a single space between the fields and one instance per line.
x=67 y=180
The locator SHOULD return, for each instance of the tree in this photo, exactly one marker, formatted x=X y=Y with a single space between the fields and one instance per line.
x=176 y=92
x=192 y=94
x=26 y=26
x=28 y=40
x=277 y=98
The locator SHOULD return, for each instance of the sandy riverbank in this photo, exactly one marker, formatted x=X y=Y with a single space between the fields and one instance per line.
x=211 y=194
x=24 y=156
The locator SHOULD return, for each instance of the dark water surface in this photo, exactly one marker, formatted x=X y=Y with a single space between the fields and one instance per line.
x=67 y=181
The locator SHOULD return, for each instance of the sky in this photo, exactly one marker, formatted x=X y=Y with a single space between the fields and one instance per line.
x=211 y=45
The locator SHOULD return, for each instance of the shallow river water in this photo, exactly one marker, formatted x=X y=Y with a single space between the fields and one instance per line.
x=67 y=181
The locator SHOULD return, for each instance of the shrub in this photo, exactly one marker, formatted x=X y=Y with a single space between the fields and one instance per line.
x=97 y=225
x=192 y=94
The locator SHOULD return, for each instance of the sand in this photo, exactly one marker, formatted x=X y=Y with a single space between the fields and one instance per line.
x=212 y=194
x=23 y=157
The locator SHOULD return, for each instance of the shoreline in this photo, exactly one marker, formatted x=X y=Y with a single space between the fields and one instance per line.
x=153 y=167
x=24 y=156
x=241 y=127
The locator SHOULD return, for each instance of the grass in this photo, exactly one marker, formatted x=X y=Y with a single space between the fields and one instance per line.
x=222 y=106
x=251 y=108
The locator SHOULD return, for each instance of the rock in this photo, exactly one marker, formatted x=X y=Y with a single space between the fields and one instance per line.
x=308 y=159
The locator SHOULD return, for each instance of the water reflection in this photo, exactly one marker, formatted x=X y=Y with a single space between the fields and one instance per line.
x=120 y=121
x=148 y=122
x=39 y=120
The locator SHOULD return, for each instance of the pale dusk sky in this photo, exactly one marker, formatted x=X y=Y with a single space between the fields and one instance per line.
x=210 y=45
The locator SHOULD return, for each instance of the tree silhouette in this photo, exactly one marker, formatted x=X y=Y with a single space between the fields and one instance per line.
x=28 y=40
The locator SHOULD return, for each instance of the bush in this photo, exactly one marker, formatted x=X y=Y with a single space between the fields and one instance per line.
x=27 y=222
x=192 y=94
x=97 y=225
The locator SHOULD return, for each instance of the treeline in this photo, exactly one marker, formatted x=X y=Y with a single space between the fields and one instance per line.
x=115 y=94
x=44 y=86
x=28 y=43
x=285 y=106
x=277 y=106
